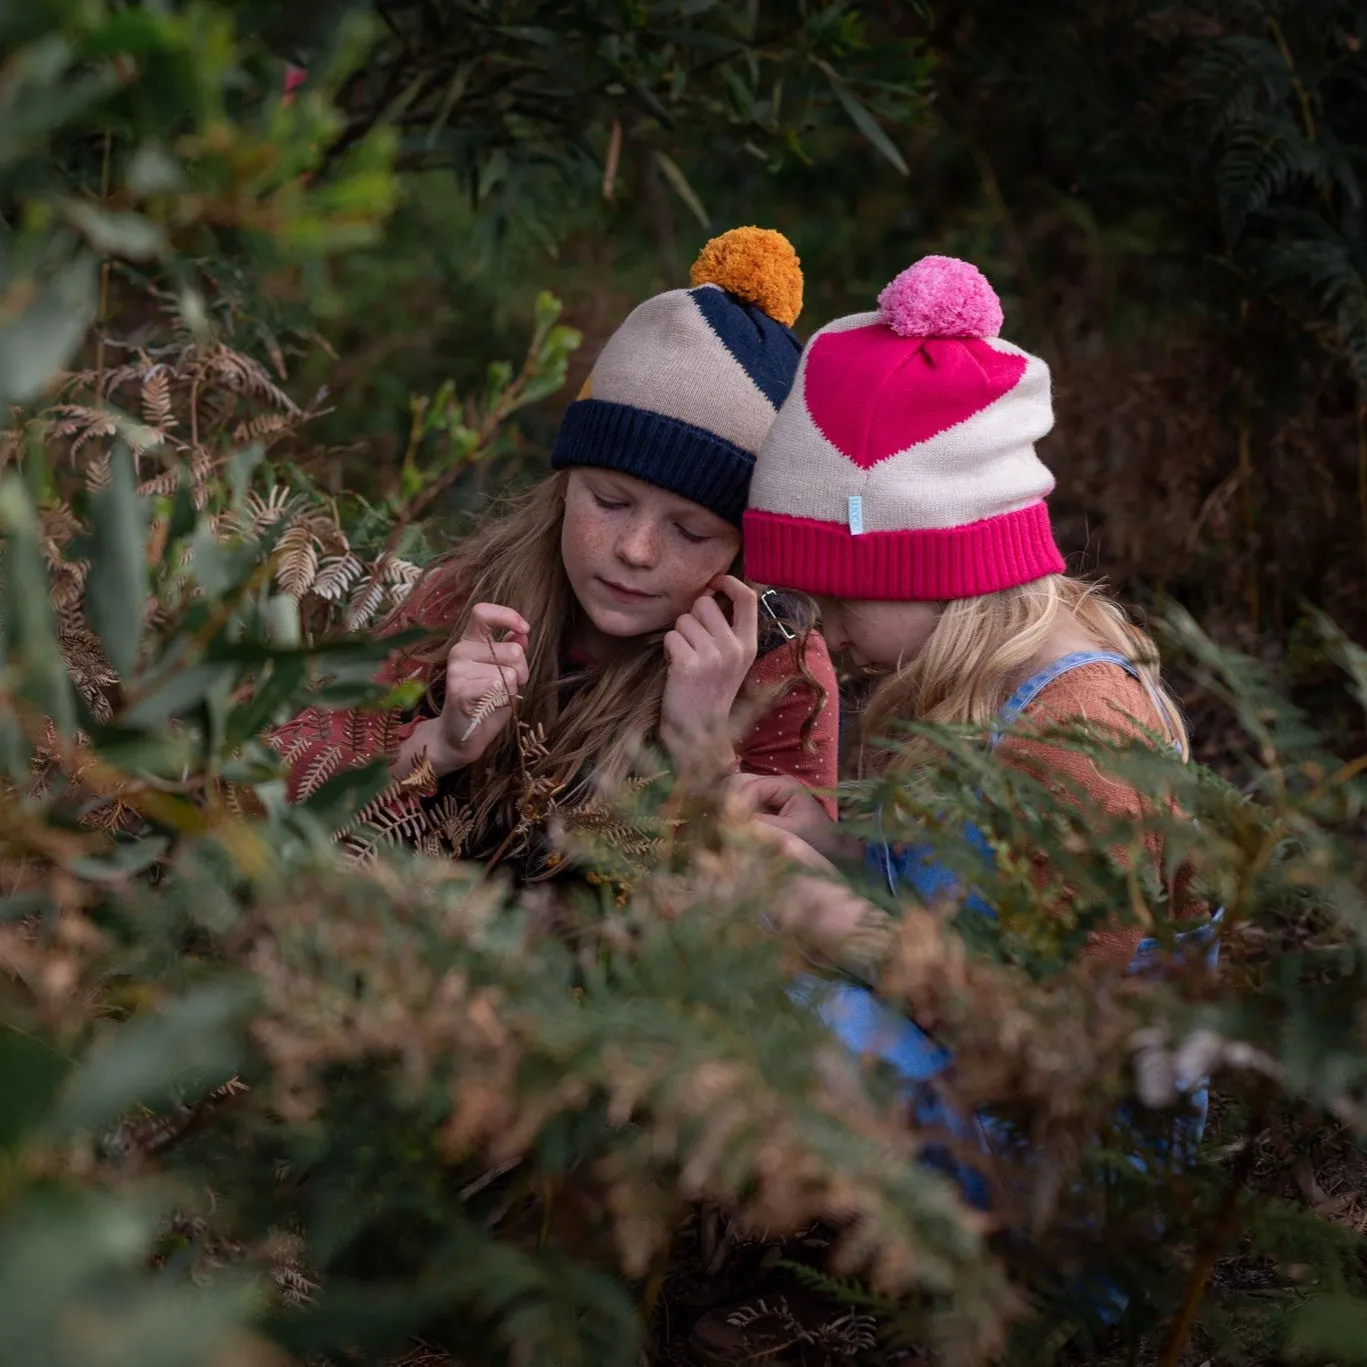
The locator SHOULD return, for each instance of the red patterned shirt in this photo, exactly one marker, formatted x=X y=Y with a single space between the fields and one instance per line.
x=320 y=743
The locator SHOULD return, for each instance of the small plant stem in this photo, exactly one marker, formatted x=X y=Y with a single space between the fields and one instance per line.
x=104 y=275
x=1216 y=1239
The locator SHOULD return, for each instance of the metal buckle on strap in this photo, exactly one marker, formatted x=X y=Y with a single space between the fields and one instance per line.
x=780 y=622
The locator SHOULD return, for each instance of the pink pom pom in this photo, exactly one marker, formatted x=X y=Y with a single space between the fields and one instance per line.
x=941 y=296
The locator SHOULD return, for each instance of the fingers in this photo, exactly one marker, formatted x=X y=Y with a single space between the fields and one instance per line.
x=694 y=634
x=676 y=647
x=510 y=653
x=768 y=792
x=745 y=601
x=488 y=619
x=793 y=846
x=463 y=672
x=705 y=626
x=707 y=611
x=754 y=793
x=469 y=688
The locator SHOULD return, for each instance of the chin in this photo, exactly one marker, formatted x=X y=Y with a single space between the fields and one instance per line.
x=622 y=622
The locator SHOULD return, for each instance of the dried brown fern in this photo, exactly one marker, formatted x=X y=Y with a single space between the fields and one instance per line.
x=197 y=404
x=157 y=411
x=297 y=567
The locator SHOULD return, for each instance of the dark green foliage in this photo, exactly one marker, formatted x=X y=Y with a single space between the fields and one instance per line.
x=255 y=1097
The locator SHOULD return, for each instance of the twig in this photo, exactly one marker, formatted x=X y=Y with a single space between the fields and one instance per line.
x=1210 y=1250
x=104 y=276
x=1307 y=113
x=485 y=1179
x=197 y=1119
x=1250 y=518
x=1362 y=468
x=613 y=156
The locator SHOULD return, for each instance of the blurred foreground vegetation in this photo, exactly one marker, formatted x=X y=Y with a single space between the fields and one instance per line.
x=261 y=355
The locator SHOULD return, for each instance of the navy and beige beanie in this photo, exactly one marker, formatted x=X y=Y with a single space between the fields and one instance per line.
x=685 y=390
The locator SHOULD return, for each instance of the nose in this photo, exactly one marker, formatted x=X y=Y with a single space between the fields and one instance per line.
x=832 y=626
x=638 y=543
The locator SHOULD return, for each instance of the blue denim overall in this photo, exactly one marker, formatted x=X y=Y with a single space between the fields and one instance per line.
x=870 y=1028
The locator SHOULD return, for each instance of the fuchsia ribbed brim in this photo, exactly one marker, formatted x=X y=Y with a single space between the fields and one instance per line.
x=911 y=566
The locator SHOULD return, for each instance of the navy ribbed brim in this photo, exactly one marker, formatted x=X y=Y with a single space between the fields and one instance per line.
x=686 y=460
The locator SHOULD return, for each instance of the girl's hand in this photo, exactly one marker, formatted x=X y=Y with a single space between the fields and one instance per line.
x=483 y=676
x=782 y=801
x=708 y=659
x=792 y=846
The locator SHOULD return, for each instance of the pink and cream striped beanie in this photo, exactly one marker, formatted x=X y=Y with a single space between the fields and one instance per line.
x=902 y=465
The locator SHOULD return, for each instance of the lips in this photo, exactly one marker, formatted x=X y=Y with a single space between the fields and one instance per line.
x=624 y=593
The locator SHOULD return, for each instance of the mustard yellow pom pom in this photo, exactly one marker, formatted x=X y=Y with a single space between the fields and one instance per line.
x=757 y=265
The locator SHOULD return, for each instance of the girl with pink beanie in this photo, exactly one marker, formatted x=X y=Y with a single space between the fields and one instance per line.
x=899 y=486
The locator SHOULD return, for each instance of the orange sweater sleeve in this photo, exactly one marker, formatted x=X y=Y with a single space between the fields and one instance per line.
x=1107 y=699
x=774 y=744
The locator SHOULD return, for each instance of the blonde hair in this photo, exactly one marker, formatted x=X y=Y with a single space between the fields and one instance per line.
x=512 y=557
x=976 y=654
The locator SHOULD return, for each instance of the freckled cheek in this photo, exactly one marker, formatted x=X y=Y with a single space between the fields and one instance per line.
x=688 y=573
x=584 y=539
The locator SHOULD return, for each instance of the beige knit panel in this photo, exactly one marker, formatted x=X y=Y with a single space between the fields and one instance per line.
x=667 y=359
x=981 y=468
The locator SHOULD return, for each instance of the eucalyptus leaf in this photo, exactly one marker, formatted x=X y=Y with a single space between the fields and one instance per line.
x=30 y=1073
x=191 y=1042
x=682 y=188
x=241 y=468
x=116 y=232
x=343 y=796
x=154 y=171
x=129 y=857
x=116 y=586
x=39 y=338
x=179 y=692
x=863 y=119
x=30 y=630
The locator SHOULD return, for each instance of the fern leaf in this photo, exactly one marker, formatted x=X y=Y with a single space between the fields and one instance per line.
x=1264 y=158
x=318 y=771
x=248 y=376
x=97 y=472
x=156 y=399
x=498 y=696
x=364 y=605
x=298 y=561
x=337 y=574
x=264 y=427
x=160 y=486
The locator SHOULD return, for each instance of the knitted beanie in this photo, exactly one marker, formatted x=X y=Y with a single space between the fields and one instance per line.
x=686 y=389
x=903 y=464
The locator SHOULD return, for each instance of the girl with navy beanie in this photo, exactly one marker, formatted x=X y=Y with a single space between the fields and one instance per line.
x=602 y=610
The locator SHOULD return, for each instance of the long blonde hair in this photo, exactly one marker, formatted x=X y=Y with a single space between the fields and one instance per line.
x=977 y=651
x=512 y=557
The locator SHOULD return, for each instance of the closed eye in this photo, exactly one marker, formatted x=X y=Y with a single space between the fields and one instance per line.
x=693 y=537
x=607 y=502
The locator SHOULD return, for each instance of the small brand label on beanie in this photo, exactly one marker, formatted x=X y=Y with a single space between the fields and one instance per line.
x=856 y=515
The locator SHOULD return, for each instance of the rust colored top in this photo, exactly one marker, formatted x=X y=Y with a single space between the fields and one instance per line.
x=1105 y=697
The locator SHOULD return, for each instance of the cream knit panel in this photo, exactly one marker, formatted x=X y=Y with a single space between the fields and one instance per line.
x=980 y=468
x=665 y=358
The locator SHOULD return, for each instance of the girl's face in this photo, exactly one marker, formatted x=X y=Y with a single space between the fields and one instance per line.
x=636 y=556
x=878 y=636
